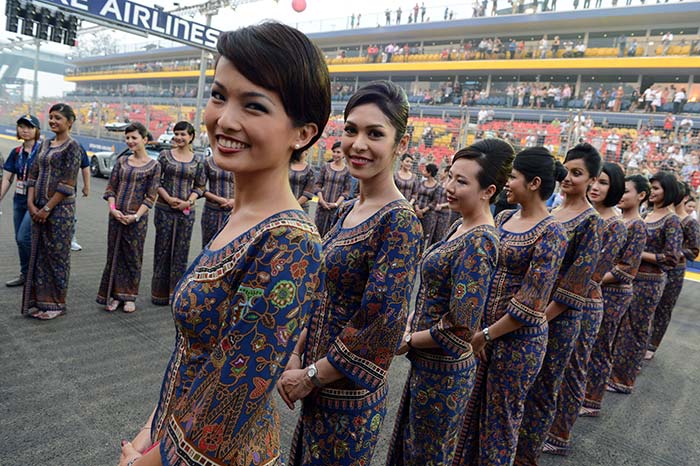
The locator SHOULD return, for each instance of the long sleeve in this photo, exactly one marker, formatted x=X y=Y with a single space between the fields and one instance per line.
x=530 y=301
x=199 y=186
x=163 y=161
x=365 y=347
x=308 y=190
x=614 y=238
x=269 y=303
x=33 y=174
x=691 y=238
x=574 y=286
x=69 y=168
x=321 y=180
x=434 y=197
x=626 y=268
x=149 y=199
x=114 y=179
x=472 y=271
x=673 y=243
x=347 y=185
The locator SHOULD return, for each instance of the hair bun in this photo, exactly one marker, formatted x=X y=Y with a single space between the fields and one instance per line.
x=560 y=171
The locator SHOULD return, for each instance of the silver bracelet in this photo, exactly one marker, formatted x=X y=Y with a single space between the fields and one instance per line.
x=487 y=337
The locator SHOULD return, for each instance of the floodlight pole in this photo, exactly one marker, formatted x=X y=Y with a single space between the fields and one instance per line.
x=35 y=92
x=202 y=78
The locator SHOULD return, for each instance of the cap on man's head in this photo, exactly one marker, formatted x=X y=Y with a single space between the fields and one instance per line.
x=29 y=120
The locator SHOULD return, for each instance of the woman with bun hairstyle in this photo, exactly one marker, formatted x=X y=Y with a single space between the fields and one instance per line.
x=455 y=276
x=302 y=179
x=425 y=201
x=571 y=301
x=617 y=289
x=333 y=186
x=243 y=301
x=51 y=204
x=605 y=192
x=663 y=251
x=405 y=179
x=370 y=258
x=512 y=344
x=674 y=282
x=182 y=182
x=130 y=194
x=219 y=199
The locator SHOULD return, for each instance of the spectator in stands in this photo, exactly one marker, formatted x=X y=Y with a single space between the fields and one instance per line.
x=617 y=97
x=482 y=116
x=666 y=40
x=669 y=122
x=566 y=95
x=632 y=50
x=398 y=15
x=556 y=44
x=415 y=12
x=679 y=100
x=611 y=145
x=656 y=101
x=512 y=47
x=422 y=12
x=543 y=46
x=510 y=95
x=580 y=49
x=387 y=14
x=621 y=45
x=428 y=136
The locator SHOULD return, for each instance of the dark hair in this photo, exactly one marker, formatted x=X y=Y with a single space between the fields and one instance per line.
x=391 y=100
x=137 y=127
x=669 y=184
x=616 y=188
x=691 y=198
x=282 y=59
x=37 y=133
x=335 y=145
x=407 y=156
x=495 y=159
x=641 y=185
x=683 y=190
x=65 y=110
x=538 y=162
x=185 y=126
x=589 y=154
x=432 y=169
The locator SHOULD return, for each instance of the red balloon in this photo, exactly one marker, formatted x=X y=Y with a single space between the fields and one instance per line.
x=299 y=5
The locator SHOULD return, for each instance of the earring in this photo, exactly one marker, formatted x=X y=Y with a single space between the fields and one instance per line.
x=296 y=146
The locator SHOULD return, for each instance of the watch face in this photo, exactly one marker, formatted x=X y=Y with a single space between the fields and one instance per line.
x=311 y=372
x=407 y=338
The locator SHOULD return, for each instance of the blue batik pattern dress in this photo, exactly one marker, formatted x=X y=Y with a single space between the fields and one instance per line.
x=574 y=289
x=332 y=184
x=238 y=313
x=220 y=183
x=674 y=281
x=369 y=277
x=616 y=300
x=573 y=389
x=173 y=226
x=528 y=267
x=55 y=170
x=455 y=278
x=664 y=239
x=131 y=187
x=302 y=183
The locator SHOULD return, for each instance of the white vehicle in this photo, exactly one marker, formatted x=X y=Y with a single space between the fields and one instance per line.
x=166 y=138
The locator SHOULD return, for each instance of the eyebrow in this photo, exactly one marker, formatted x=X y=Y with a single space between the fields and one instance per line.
x=247 y=94
x=378 y=125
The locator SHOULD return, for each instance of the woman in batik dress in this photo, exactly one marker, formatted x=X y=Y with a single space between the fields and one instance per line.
x=512 y=345
x=332 y=188
x=182 y=181
x=604 y=194
x=302 y=180
x=219 y=199
x=405 y=179
x=571 y=301
x=370 y=257
x=661 y=254
x=242 y=303
x=131 y=193
x=617 y=292
x=675 y=276
x=445 y=216
x=425 y=201
x=455 y=276
x=51 y=204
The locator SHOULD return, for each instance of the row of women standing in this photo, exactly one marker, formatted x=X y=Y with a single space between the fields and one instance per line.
x=267 y=304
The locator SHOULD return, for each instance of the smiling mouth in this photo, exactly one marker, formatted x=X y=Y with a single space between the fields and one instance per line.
x=231 y=143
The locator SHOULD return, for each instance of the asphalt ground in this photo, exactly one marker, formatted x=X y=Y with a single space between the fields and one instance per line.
x=71 y=388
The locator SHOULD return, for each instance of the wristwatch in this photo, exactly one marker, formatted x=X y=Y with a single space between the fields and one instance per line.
x=136 y=218
x=312 y=372
x=407 y=339
x=191 y=201
x=487 y=337
x=46 y=208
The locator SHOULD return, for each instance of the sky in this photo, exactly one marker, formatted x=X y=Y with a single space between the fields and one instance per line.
x=318 y=15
